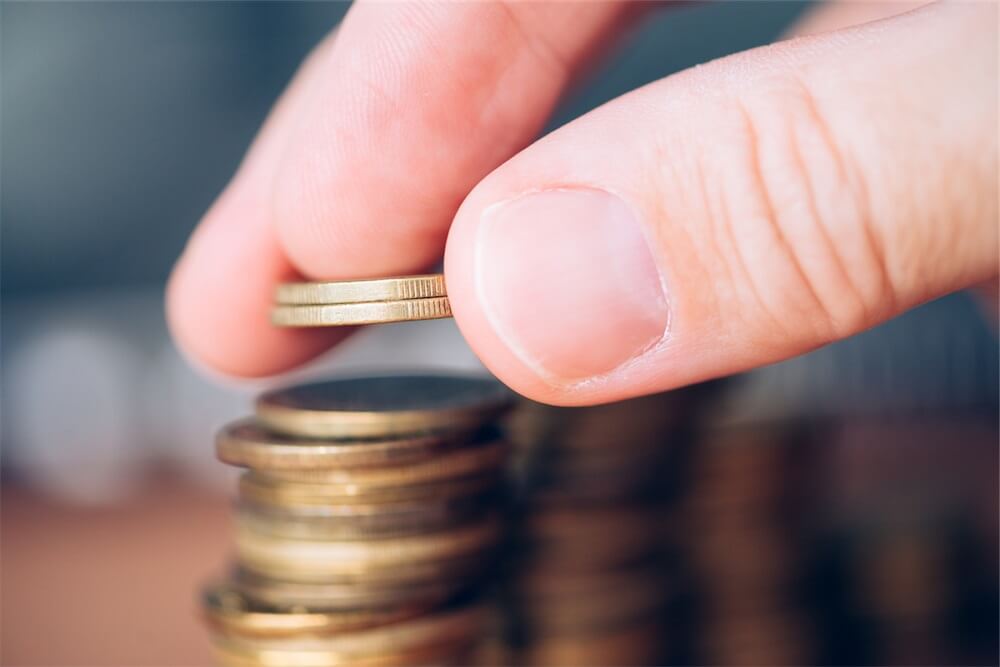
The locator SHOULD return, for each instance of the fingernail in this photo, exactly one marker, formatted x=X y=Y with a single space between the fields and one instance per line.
x=569 y=282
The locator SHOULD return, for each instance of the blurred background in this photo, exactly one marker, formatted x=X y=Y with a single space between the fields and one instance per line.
x=121 y=121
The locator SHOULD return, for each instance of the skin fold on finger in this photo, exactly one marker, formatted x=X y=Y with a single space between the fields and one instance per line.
x=362 y=165
x=220 y=292
x=789 y=196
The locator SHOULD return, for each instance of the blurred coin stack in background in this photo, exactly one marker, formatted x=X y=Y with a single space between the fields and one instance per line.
x=900 y=580
x=905 y=580
x=365 y=524
x=590 y=582
x=742 y=529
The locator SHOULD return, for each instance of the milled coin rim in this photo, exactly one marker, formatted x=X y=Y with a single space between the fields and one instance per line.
x=397 y=288
x=371 y=312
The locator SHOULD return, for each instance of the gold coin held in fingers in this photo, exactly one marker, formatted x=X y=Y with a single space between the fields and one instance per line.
x=401 y=288
x=372 y=312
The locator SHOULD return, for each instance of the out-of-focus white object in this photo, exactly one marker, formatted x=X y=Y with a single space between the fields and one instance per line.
x=95 y=391
x=71 y=409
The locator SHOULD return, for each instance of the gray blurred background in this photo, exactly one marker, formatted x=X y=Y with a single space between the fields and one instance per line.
x=119 y=124
x=121 y=121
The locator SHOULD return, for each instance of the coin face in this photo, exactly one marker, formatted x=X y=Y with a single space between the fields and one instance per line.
x=246 y=443
x=383 y=406
x=359 y=291
x=371 y=312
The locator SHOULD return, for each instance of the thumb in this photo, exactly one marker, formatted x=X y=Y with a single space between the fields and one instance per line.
x=739 y=213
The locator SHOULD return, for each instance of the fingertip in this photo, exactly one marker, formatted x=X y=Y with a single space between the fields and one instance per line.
x=218 y=302
x=557 y=292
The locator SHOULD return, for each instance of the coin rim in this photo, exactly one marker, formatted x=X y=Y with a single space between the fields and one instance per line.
x=455 y=463
x=254 y=619
x=258 y=489
x=397 y=288
x=284 y=451
x=263 y=554
x=384 y=424
x=369 y=312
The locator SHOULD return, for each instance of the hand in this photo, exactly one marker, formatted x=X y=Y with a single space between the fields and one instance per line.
x=726 y=217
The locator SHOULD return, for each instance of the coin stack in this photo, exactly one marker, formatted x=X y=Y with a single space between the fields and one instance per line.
x=589 y=583
x=365 y=522
x=741 y=531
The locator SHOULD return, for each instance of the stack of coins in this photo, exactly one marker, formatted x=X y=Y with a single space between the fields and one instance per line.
x=741 y=529
x=365 y=522
x=351 y=302
x=590 y=584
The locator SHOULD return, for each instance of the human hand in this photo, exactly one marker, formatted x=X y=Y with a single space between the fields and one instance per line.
x=729 y=216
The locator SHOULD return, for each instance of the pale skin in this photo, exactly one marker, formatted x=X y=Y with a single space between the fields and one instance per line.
x=723 y=218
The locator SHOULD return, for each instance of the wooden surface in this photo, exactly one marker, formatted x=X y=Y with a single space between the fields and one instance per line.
x=109 y=586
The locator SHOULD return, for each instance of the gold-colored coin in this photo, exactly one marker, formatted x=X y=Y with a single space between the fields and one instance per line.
x=349 y=597
x=417 y=509
x=400 y=288
x=463 y=462
x=363 y=578
x=375 y=526
x=229 y=611
x=232 y=654
x=372 y=312
x=246 y=443
x=356 y=498
x=317 y=560
x=425 y=630
x=383 y=407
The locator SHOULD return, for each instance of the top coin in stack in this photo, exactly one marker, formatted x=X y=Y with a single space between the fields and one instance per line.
x=351 y=302
x=383 y=407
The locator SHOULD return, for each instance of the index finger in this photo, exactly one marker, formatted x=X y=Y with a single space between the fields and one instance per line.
x=364 y=163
